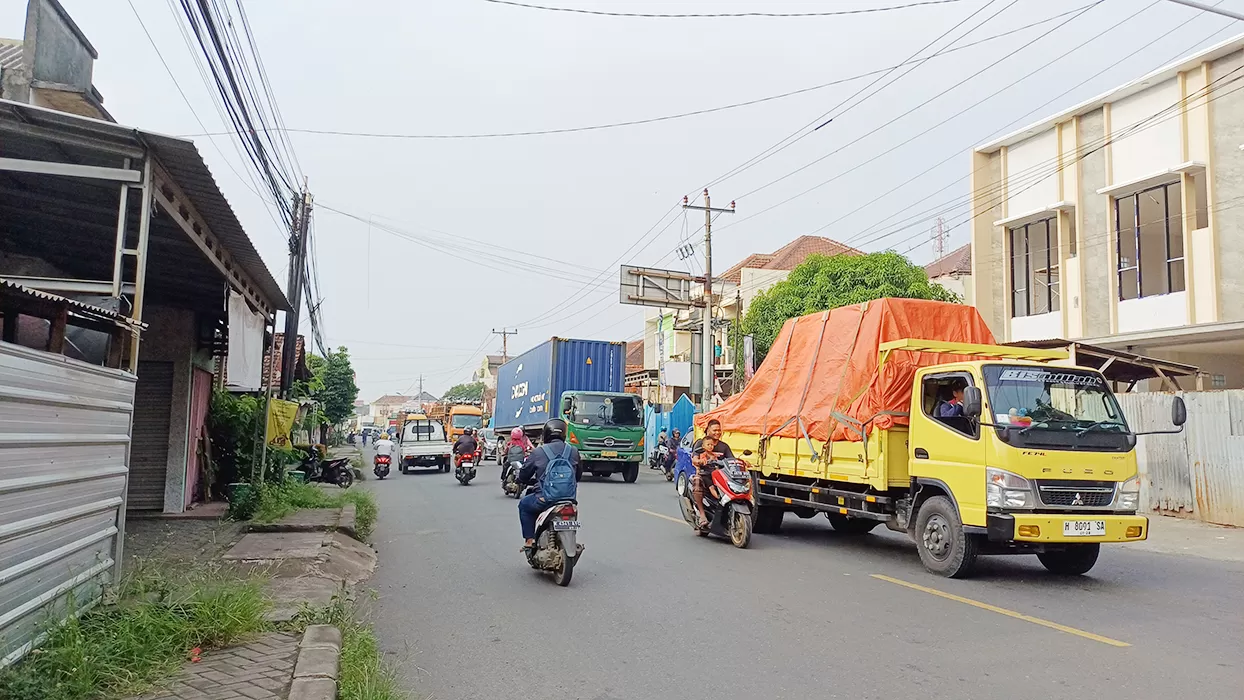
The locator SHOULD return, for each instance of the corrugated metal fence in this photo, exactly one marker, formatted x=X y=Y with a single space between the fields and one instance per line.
x=64 y=433
x=1199 y=472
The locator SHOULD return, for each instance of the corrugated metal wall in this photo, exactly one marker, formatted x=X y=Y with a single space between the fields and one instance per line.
x=1199 y=472
x=64 y=432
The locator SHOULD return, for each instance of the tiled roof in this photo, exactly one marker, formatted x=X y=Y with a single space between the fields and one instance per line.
x=789 y=256
x=956 y=262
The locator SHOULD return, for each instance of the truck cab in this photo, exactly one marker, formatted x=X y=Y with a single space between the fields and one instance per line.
x=608 y=430
x=460 y=418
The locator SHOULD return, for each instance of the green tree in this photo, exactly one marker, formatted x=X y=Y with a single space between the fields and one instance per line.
x=339 y=390
x=825 y=282
x=465 y=393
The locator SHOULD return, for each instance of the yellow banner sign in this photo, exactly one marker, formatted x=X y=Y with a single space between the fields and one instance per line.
x=281 y=415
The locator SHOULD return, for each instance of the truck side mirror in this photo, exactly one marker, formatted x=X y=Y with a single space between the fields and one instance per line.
x=972 y=401
x=567 y=405
x=1179 y=412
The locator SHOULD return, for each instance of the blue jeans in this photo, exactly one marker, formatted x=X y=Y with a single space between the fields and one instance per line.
x=529 y=510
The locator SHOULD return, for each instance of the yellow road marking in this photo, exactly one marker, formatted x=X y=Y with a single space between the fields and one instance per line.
x=662 y=515
x=1004 y=611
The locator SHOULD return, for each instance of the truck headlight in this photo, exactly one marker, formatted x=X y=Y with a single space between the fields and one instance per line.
x=1006 y=490
x=1129 y=495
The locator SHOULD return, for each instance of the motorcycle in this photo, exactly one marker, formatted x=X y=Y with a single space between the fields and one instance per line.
x=667 y=463
x=332 y=471
x=557 y=549
x=728 y=503
x=464 y=469
x=509 y=478
x=657 y=459
x=381 y=469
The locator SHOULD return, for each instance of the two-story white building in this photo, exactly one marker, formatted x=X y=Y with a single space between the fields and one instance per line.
x=1118 y=221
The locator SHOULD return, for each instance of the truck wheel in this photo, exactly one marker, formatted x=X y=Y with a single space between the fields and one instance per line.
x=852 y=526
x=768 y=519
x=630 y=472
x=445 y=465
x=944 y=547
x=1075 y=560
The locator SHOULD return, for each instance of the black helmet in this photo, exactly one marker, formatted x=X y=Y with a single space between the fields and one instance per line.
x=467 y=431
x=554 y=429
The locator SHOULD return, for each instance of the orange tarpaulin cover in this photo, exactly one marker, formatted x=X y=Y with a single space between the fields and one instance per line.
x=827 y=362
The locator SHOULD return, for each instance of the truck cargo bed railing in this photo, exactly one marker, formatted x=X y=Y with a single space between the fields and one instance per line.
x=1006 y=352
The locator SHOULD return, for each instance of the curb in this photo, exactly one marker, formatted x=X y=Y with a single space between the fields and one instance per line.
x=315 y=669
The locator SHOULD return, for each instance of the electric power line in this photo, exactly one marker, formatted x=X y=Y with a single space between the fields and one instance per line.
x=722 y=15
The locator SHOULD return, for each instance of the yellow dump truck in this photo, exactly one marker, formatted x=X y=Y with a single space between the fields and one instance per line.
x=970 y=448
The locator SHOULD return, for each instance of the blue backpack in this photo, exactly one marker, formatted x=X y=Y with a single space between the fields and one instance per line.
x=559 y=482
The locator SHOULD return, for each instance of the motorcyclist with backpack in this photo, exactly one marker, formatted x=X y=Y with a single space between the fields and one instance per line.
x=551 y=468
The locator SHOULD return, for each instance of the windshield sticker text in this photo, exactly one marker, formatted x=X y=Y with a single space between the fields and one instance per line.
x=1048 y=377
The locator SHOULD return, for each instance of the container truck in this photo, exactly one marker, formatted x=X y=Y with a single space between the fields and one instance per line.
x=906 y=413
x=579 y=381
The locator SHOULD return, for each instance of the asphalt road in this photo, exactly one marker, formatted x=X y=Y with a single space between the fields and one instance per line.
x=655 y=612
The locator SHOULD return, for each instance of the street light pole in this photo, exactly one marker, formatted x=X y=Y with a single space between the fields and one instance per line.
x=1209 y=8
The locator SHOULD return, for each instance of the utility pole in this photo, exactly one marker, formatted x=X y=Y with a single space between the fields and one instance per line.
x=419 y=399
x=297 y=263
x=1209 y=8
x=939 y=239
x=707 y=360
x=505 y=342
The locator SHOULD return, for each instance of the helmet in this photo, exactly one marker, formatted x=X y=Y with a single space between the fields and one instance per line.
x=554 y=429
x=516 y=434
x=467 y=431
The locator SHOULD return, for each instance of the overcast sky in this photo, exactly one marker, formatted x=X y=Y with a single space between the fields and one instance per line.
x=469 y=66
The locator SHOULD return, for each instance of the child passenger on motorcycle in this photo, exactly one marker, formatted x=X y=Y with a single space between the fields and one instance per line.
x=704 y=453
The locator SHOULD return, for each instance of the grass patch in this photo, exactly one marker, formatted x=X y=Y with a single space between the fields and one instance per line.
x=142 y=635
x=363 y=674
x=277 y=501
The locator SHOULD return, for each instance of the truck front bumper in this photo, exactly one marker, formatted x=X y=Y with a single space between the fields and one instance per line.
x=606 y=456
x=1048 y=528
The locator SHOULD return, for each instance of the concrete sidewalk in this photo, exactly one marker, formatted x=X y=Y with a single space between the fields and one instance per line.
x=1169 y=535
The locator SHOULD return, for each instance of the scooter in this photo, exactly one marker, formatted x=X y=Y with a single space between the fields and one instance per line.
x=464 y=469
x=557 y=549
x=667 y=463
x=509 y=478
x=657 y=458
x=332 y=471
x=728 y=503
x=381 y=470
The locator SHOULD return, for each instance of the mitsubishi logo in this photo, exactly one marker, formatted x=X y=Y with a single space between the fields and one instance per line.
x=608 y=442
x=1077 y=501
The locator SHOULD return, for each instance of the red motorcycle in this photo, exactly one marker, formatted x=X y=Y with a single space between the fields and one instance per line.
x=728 y=502
x=464 y=466
x=382 y=464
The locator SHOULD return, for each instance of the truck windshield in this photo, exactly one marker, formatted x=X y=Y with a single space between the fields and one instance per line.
x=463 y=420
x=1072 y=407
x=595 y=409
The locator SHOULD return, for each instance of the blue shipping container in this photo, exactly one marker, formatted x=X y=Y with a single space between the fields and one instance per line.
x=529 y=386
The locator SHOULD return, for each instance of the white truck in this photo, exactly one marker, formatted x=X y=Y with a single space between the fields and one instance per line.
x=423 y=444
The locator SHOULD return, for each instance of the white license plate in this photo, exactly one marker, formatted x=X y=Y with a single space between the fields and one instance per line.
x=559 y=525
x=609 y=453
x=1084 y=528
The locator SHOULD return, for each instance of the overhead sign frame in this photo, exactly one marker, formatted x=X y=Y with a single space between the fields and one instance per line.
x=646 y=286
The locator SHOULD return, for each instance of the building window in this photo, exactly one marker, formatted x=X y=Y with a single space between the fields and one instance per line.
x=1218 y=381
x=1034 y=268
x=1150 y=240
